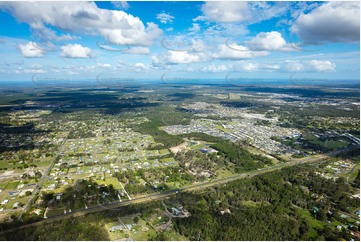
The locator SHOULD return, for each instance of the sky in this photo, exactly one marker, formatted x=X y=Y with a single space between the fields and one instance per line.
x=179 y=40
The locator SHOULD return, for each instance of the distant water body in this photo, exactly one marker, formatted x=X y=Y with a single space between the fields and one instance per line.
x=213 y=82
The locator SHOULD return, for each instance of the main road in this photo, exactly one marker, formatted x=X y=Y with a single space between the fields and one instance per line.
x=166 y=194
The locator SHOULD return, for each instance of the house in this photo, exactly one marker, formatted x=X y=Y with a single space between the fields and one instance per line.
x=207 y=150
x=16 y=205
x=225 y=211
x=4 y=202
x=12 y=193
x=115 y=228
x=175 y=211
x=315 y=209
x=58 y=196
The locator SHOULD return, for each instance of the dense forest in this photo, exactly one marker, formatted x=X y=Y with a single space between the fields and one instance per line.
x=243 y=159
x=273 y=206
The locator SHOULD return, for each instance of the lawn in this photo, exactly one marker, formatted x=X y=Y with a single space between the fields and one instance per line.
x=54 y=212
x=223 y=172
x=3 y=195
x=352 y=176
x=164 y=152
x=7 y=164
x=116 y=235
x=174 y=236
x=110 y=180
x=3 y=184
x=169 y=159
x=314 y=223
x=11 y=185
x=334 y=145
x=253 y=204
x=44 y=162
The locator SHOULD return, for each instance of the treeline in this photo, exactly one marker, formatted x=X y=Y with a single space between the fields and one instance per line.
x=243 y=159
x=201 y=136
x=160 y=136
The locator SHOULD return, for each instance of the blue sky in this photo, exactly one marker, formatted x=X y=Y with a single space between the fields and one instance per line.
x=266 y=40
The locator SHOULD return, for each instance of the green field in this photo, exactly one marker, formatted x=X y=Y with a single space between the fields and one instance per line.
x=110 y=180
x=11 y=185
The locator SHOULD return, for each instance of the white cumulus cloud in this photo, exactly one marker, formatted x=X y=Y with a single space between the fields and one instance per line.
x=235 y=51
x=272 y=41
x=140 y=67
x=332 y=21
x=240 y=11
x=179 y=57
x=139 y=50
x=215 y=68
x=225 y=12
x=75 y=51
x=312 y=65
x=115 y=26
x=31 y=49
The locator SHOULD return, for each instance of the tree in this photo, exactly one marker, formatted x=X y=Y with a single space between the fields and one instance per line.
x=136 y=219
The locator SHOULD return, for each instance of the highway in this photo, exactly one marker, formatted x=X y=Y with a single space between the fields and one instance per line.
x=169 y=193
